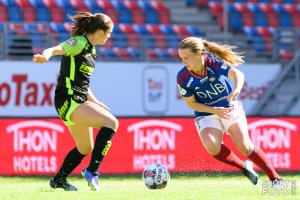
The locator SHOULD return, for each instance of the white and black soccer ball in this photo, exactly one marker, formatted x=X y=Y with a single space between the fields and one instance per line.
x=156 y=176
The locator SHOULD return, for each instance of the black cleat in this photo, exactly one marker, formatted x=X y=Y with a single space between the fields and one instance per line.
x=62 y=184
x=249 y=172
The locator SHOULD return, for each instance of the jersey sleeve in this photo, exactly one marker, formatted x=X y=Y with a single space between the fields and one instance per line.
x=217 y=66
x=72 y=46
x=184 y=91
x=223 y=68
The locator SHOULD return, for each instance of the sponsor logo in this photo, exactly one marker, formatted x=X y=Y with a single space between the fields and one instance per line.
x=33 y=143
x=106 y=148
x=254 y=93
x=215 y=90
x=87 y=46
x=181 y=90
x=86 y=69
x=212 y=79
x=87 y=55
x=20 y=92
x=63 y=109
x=210 y=70
x=151 y=138
x=203 y=79
x=190 y=82
x=71 y=42
x=274 y=136
x=224 y=66
x=155 y=87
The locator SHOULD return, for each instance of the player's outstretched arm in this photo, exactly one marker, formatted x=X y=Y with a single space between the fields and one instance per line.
x=238 y=77
x=48 y=53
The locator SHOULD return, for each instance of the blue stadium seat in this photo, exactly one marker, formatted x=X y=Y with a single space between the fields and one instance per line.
x=194 y=30
x=134 y=52
x=107 y=53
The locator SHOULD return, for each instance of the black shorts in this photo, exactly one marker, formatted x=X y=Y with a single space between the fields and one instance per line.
x=65 y=104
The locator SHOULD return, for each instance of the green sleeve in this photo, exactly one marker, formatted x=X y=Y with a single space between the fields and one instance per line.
x=73 y=45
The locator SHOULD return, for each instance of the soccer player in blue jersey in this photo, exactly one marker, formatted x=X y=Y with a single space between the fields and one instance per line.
x=75 y=102
x=204 y=88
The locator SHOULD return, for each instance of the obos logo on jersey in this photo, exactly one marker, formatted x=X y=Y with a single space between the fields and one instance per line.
x=151 y=139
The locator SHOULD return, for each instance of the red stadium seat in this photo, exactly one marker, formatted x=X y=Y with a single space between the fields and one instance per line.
x=265 y=31
x=290 y=8
x=22 y=3
x=150 y=53
x=29 y=14
x=104 y=4
x=180 y=30
x=138 y=16
x=173 y=52
x=247 y=15
x=17 y=28
x=202 y=3
x=79 y=5
x=266 y=8
x=273 y=19
x=132 y=5
x=216 y=8
x=3 y=14
x=112 y=13
x=164 y=17
x=127 y=29
x=296 y=20
x=153 y=29
x=162 y=10
x=50 y=3
x=285 y=55
x=57 y=14
x=248 y=19
x=121 y=52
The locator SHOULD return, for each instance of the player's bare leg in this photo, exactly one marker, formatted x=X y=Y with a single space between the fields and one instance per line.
x=92 y=115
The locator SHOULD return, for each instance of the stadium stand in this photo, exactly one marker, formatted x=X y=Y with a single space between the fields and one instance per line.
x=142 y=27
x=265 y=30
x=263 y=22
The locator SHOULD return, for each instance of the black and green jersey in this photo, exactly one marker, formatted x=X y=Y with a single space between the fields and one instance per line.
x=76 y=67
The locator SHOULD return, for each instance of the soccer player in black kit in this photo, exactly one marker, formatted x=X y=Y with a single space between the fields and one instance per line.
x=75 y=102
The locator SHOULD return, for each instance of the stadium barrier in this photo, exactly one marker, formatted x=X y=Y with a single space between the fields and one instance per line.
x=38 y=146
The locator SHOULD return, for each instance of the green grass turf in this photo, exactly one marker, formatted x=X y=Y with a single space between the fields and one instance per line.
x=182 y=186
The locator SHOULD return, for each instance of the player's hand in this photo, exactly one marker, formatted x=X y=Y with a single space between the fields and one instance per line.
x=222 y=112
x=233 y=95
x=102 y=105
x=38 y=58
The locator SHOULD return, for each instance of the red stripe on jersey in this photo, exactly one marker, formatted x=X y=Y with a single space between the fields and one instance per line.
x=209 y=61
x=183 y=76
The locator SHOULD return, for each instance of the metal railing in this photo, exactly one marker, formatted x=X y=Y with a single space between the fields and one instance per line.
x=18 y=45
x=292 y=68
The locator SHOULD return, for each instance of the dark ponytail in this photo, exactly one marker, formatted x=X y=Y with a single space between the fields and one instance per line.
x=86 y=22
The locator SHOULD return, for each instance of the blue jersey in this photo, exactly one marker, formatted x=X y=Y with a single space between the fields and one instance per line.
x=210 y=89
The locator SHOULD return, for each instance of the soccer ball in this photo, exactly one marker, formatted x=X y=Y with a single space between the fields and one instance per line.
x=156 y=176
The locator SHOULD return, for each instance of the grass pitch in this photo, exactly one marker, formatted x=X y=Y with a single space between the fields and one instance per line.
x=182 y=187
